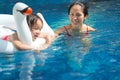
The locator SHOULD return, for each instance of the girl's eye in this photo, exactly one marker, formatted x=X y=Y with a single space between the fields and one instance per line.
x=36 y=28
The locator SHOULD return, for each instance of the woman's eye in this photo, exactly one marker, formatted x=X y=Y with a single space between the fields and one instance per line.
x=75 y=15
x=78 y=15
x=71 y=14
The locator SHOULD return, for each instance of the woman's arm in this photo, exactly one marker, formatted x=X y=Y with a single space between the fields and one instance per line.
x=91 y=28
x=60 y=30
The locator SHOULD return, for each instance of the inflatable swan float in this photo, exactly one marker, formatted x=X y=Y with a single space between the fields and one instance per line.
x=17 y=21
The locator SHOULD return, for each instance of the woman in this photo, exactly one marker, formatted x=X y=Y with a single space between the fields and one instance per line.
x=78 y=13
x=77 y=31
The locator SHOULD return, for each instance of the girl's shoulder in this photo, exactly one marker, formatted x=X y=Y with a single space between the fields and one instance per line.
x=13 y=37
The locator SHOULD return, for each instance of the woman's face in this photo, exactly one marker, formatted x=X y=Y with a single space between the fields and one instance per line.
x=36 y=29
x=76 y=16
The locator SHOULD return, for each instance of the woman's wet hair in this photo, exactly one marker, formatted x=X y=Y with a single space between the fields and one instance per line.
x=84 y=6
x=32 y=20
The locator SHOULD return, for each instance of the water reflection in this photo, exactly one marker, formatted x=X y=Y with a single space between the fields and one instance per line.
x=27 y=65
x=75 y=48
x=27 y=61
x=7 y=66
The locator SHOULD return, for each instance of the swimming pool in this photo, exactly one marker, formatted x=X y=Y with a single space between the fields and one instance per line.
x=99 y=59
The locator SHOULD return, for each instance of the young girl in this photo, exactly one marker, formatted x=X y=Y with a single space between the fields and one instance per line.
x=35 y=24
x=77 y=12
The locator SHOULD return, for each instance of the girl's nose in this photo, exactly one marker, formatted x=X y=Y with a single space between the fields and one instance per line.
x=37 y=31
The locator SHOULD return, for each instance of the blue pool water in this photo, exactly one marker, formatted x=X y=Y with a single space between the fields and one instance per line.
x=95 y=57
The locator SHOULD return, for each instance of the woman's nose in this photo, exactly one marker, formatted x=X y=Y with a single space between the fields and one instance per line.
x=74 y=17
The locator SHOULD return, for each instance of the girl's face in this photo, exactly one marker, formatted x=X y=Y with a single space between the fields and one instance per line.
x=36 y=29
x=76 y=16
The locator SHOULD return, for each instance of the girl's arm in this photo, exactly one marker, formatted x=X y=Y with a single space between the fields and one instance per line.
x=48 y=39
x=18 y=44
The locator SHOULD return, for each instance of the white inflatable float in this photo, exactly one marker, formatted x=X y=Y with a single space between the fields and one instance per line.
x=17 y=21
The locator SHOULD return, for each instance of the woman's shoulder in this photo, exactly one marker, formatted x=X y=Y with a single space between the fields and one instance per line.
x=90 y=28
x=61 y=29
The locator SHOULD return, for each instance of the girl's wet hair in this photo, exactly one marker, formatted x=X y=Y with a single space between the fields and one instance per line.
x=32 y=20
x=84 y=6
